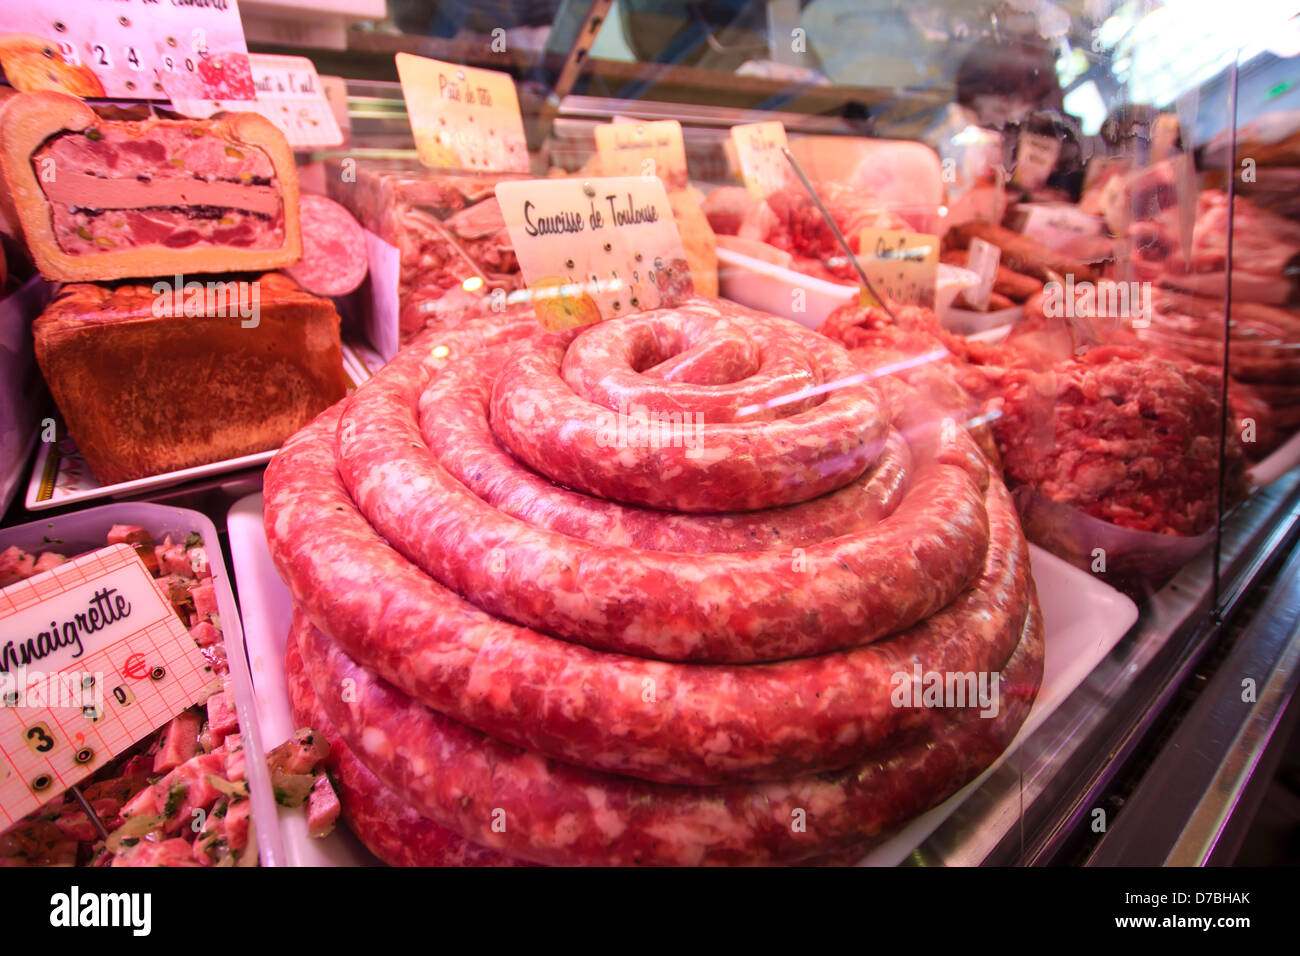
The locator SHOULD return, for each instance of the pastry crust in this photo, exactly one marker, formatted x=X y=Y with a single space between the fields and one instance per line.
x=145 y=394
x=30 y=119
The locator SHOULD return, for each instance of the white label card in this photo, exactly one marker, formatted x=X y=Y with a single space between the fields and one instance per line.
x=94 y=658
x=289 y=93
x=463 y=117
x=763 y=165
x=126 y=49
x=983 y=259
x=596 y=248
x=902 y=266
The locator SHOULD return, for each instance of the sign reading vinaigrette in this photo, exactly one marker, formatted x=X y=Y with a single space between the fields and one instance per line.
x=93 y=659
x=593 y=249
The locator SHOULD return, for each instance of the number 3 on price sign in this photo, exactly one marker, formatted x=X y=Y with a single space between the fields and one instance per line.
x=39 y=738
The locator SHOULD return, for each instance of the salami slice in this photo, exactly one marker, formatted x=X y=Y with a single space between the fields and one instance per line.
x=334 y=260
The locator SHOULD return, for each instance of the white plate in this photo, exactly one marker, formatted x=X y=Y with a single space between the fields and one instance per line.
x=267 y=609
x=767 y=288
x=770 y=288
x=21 y=394
x=81 y=531
x=1084 y=620
x=61 y=476
x=991 y=336
x=968 y=322
x=1285 y=457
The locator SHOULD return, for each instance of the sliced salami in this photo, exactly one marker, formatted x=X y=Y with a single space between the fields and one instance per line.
x=334 y=260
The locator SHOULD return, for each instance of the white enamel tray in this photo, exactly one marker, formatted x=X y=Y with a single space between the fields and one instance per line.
x=61 y=476
x=81 y=531
x=1084 y=620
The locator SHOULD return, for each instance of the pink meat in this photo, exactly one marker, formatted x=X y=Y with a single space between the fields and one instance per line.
x=389 y=828
x=560 y=678
x=491 y=675
x=653 y=604
x=550 y=812
x=333 y=248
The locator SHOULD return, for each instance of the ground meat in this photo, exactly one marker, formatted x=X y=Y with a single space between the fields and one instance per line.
x=1124 y=435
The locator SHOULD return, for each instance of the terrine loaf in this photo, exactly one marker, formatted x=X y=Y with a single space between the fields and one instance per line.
x=151 y=379
x=105 y=199
x=447 y=229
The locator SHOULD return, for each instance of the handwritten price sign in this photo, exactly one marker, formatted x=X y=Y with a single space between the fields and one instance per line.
x=126 y=49
x=633 y=148
x=463 y=117
x=758 y=150
x=288 y=93
x=903 y=266
x=593 y=249
x=94 y=658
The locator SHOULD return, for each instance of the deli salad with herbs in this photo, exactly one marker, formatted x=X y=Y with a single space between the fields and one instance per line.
x=179 y=797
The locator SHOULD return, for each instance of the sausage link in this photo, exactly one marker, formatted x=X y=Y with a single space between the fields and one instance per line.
x=554 y=813
x=669 y=722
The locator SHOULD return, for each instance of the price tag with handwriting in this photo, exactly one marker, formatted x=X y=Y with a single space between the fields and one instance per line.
x=463 y=117
x=758 y=150
x=126 y=49
x=597 y=248
x=902 y=266
x=93 y=659
x=1036 y=157
x=982 y=258
x=634 y=148
x=288 y=93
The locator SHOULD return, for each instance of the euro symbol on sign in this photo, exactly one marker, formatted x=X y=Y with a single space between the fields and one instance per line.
x=134 y=668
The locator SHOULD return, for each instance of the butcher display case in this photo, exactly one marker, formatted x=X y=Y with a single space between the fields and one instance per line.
x=1026 y=425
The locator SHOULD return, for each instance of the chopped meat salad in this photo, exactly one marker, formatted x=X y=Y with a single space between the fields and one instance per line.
x=179 y=796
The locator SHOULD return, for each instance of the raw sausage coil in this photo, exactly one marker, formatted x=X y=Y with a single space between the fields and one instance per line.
x=608 y=657
x=712 y=607
x=554 y=813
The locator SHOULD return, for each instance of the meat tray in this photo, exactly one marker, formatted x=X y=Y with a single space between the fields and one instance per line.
x=770 y=288
x=266 y=607
x=85 y=531
x=60 y=476
x=1085 y=618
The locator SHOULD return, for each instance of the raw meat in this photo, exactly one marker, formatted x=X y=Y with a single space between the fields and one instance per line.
x=333 y=248
x=636 y=685
x=447 y=228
